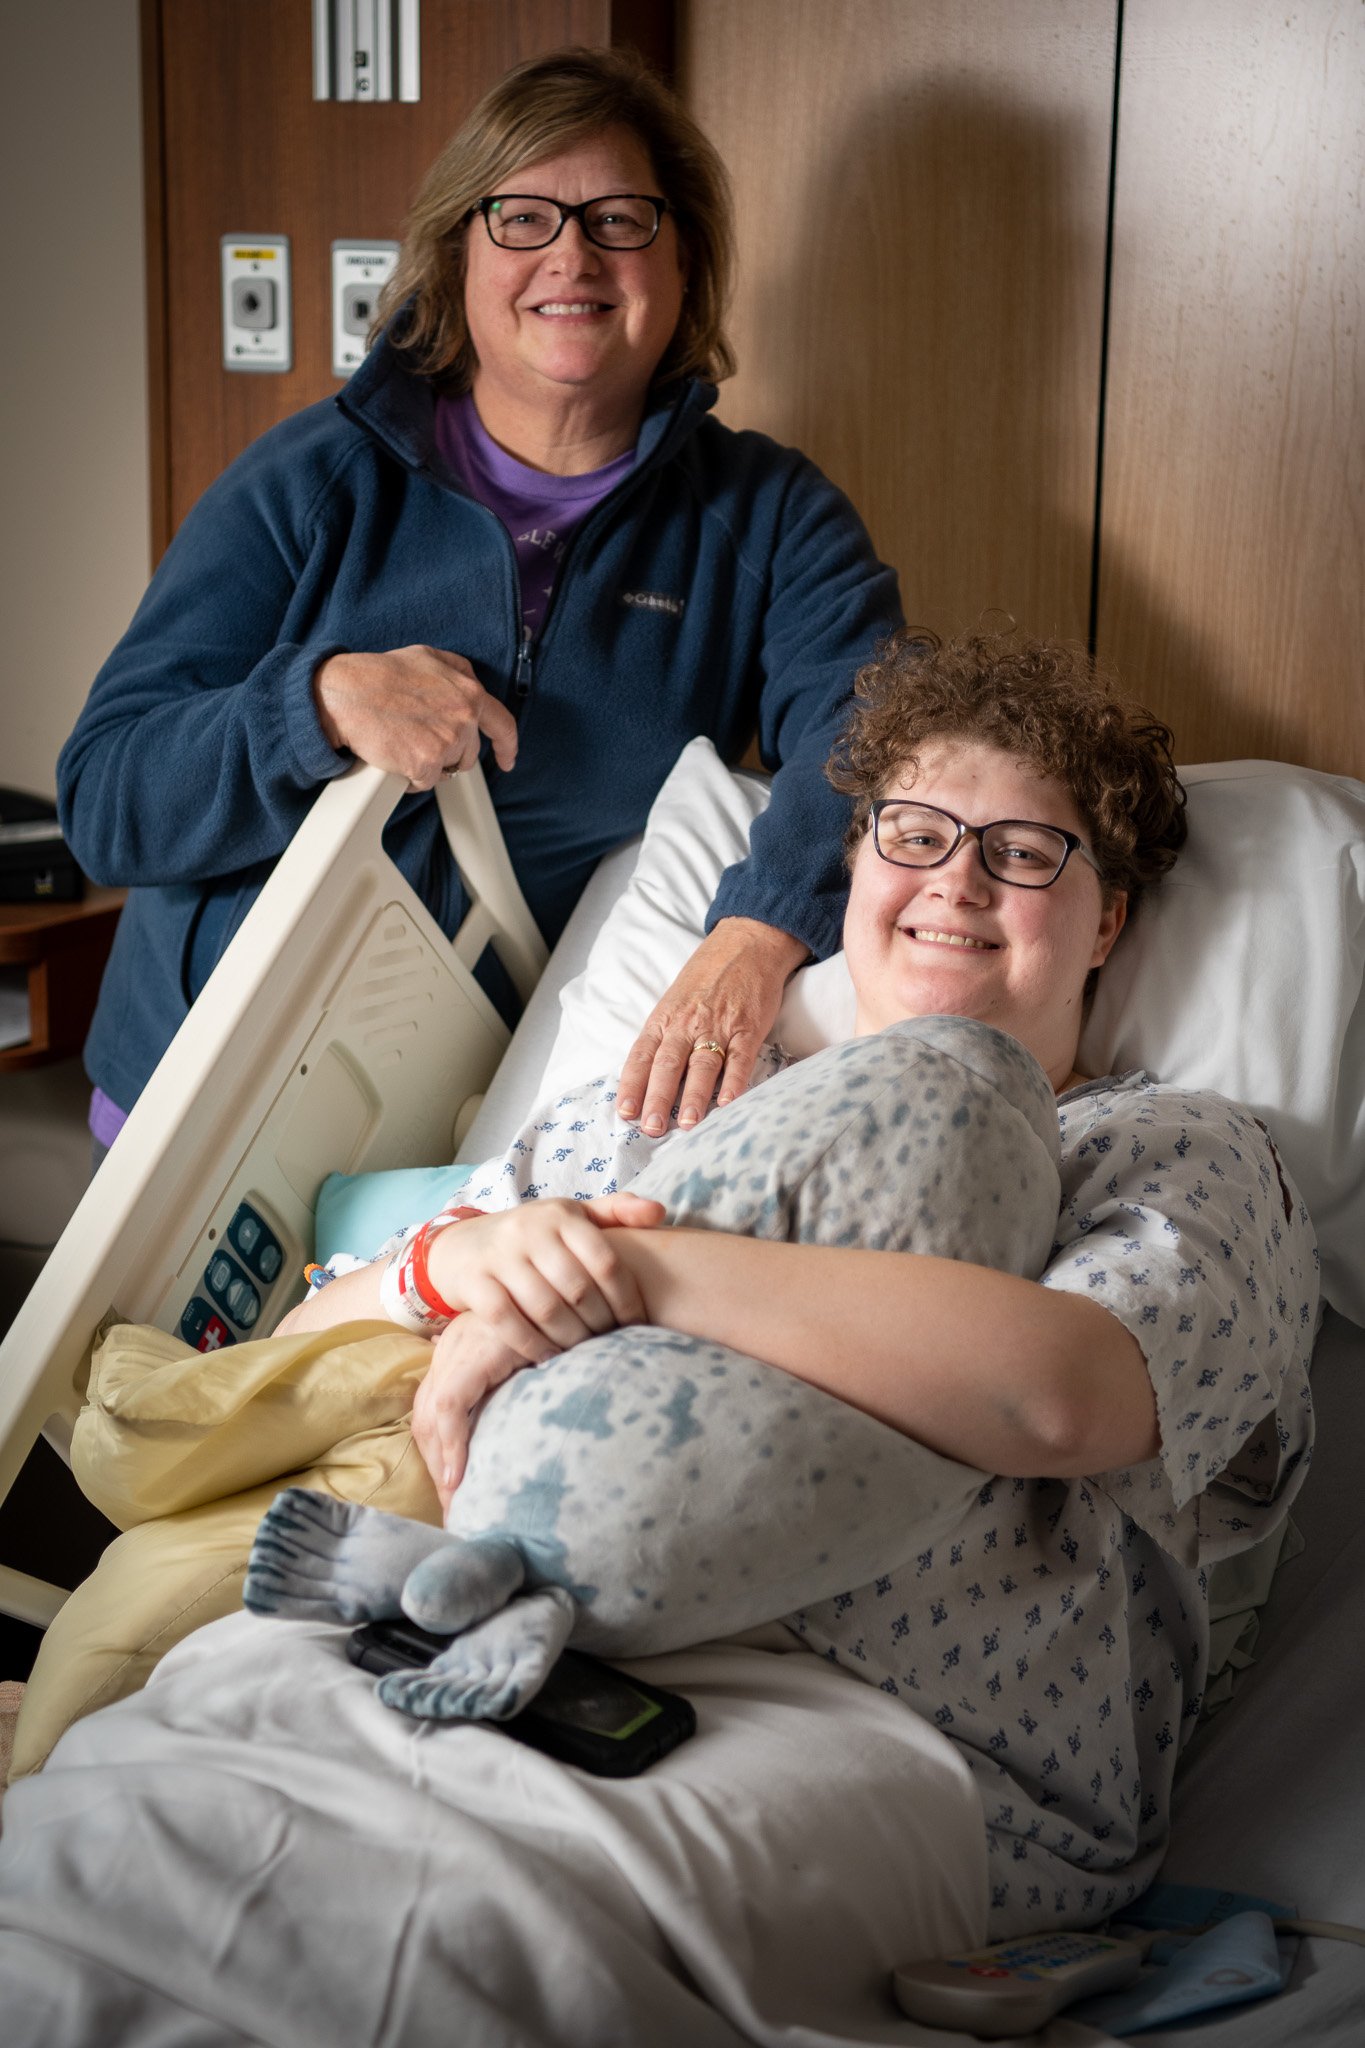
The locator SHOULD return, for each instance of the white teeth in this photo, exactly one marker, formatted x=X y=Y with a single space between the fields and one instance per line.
x=952 y=939
x=567 y=310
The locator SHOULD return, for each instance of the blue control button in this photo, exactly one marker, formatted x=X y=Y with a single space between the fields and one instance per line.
x=256 y=1243
x=231 y=1289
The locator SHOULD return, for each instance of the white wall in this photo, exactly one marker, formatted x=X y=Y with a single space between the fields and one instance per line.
x=74 y=552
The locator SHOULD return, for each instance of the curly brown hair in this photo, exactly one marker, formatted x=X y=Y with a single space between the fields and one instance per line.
x=540 y=107
x=1044 y=702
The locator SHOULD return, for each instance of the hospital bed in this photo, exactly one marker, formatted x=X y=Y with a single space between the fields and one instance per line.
x=341 y=1032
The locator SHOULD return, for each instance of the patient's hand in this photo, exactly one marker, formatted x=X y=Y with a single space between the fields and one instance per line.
x=546 y=1274
x=532 y=1282
x=468 y=1361
x=707 y=1029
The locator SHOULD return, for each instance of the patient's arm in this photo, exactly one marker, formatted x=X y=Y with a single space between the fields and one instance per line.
x=544 y=1275
x=937 y=1142
x=980 y=1365
x=984 y=1367
x=350 y=1298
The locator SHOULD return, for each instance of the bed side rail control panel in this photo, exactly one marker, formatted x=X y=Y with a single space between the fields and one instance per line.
x=239 y=1283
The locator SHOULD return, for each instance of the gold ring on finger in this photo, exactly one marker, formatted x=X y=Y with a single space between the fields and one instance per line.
x=708 y=1045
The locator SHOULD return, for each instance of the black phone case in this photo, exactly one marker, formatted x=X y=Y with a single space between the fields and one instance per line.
x=658 y=1720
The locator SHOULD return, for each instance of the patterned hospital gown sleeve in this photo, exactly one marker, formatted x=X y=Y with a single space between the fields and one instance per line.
x=1179 y=1218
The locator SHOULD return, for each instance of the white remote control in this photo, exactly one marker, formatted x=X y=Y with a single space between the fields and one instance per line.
x=1017 y=1986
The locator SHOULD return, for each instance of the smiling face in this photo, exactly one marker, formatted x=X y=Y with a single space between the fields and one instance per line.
x=954 y=941
x=572 y=332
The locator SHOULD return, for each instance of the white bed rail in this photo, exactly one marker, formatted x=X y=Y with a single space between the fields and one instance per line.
x=340 y=1031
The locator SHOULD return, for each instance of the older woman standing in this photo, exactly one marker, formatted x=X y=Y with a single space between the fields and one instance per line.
x=516 y=525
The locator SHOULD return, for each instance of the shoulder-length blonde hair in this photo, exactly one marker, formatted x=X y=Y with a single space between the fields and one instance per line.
x=540 y=108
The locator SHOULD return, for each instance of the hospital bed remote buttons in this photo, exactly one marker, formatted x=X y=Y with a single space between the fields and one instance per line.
x=255 y=1243
x=232 y=1291
x=1014 y=1987
x=203 y=1327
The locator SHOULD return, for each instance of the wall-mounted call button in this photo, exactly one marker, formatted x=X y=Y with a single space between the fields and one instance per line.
x=257 y=323
x=360 y=270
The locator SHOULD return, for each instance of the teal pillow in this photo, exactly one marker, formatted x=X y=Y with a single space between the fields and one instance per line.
x=357 y=1211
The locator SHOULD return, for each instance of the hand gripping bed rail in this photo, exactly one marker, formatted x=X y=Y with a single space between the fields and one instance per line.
x=340 y=1031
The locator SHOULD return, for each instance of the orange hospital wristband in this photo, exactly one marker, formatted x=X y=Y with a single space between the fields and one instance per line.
x=423 y=1285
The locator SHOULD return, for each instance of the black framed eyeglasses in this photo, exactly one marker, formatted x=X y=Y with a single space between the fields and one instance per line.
x=618 y=220
x=1014 y=850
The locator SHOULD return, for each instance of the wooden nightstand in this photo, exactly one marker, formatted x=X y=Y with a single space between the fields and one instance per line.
x=62 y=947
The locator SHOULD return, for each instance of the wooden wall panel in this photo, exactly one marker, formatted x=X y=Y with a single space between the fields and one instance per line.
x=922 y=190
x=1232 y=562
x=236 y=144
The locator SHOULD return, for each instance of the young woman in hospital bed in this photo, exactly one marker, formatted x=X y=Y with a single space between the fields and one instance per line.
x=992 y=1500
x=1006 y=814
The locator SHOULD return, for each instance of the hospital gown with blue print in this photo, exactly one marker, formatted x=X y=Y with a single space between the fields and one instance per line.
x=1060 y=1638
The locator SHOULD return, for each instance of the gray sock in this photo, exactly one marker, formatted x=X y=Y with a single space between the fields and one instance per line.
x=493 y=1669
x=319 y=1559
x=462 y=1583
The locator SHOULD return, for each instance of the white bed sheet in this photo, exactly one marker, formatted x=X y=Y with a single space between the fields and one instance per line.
x=256 y=1842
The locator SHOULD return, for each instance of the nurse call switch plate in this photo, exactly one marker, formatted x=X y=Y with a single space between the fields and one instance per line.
x=359 y=272
x=257 y=317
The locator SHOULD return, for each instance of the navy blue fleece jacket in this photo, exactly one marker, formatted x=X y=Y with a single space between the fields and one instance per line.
x=724 y=586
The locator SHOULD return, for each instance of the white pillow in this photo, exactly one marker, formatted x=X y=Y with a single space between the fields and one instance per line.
x=698 y=824
x=1242 y=973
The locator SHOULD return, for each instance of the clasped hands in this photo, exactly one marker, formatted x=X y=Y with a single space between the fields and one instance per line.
x=531 y=1281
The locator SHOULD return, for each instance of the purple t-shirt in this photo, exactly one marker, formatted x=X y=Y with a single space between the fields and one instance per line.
x=540 y=511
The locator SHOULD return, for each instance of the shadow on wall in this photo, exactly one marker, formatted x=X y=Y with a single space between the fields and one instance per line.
x=929 y=331
x=930 y=334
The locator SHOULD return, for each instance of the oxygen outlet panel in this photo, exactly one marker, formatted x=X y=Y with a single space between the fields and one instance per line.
x=359 y=272
x=257 y=317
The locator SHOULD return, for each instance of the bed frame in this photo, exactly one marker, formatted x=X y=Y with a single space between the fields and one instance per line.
x=340 y=1031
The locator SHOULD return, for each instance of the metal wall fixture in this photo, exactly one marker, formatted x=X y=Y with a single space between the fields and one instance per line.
x=359 y=273
x=367 y=50
x=257 y=314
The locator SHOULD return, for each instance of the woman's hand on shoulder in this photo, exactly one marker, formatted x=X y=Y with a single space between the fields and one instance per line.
x=546 y=1274
x=415 y=711
x=707 y=1030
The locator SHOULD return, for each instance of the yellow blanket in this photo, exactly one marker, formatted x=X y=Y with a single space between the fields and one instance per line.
x=184 y=1451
